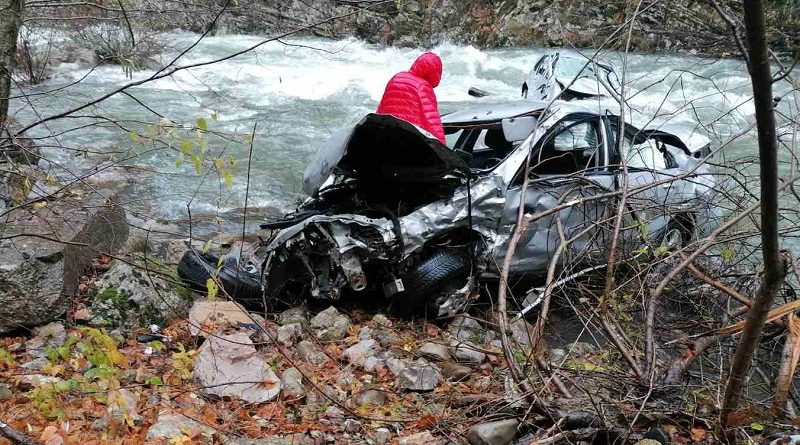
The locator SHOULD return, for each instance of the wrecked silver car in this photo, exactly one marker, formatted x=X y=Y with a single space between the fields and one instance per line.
x=393 y=212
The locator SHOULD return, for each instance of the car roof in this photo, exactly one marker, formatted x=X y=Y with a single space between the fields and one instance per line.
x=493 y=112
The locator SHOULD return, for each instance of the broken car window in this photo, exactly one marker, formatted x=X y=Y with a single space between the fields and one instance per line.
x=573 y=149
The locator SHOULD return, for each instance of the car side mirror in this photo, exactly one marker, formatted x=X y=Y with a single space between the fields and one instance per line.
x=518 y=128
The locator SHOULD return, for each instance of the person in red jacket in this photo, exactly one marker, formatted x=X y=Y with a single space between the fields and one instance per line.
x=409 y=95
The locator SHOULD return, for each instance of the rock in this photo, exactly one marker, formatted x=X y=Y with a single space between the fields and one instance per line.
x=38 y=277
x=522 y=332
x=421 y=375
x=309 y=352
x=345 y=379
x=365 y=333
x=288 y=334
x=36 y=364
x=359 y=352
x=351 y=426
x=466 y=352
x=655 y=442
x=500 y=432
x=292 y=381
x=224 y=361
x=557 y=356
x=122 y=406
x=292 y=315
x=382 y=436
x=382 y=320
x=455 y=372
x=386 y=337
x=171 y=426
x=434 y=351
x=371 y=397
x=465 y=328
x=36 y=380
x=5 y=392
x=423 y=438
x=100 y=424
x=396 y=365
x=208 y=316
x=373 y=363
x=333 y=412
x=132 y=296
x=330 y=325
x=51 y=335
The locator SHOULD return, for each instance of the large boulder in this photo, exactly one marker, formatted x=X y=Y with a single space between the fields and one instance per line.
x=138 y=293
x=44 y=250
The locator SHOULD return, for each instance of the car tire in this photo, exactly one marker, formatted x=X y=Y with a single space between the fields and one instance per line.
x=434 y=274
x=195 y=269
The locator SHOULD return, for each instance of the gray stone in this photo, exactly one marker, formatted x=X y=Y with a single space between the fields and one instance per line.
x=229 y=365
x=292 y=315
x=351 y=426
x=371 y=397
x=372 y=364
x=139 y=295
x=466 y=352
x=288 y=334
x=500 y=432
x=100 y=424
x=309 y=352
x=345 y=379
x=5 y=392
x=45 y=252
x=396 y=365
x=51 y=335
x=383 y=436
x=365 y=333
x=434 y=351
x=421 y=375
x=465 y=328
x=330 y=325
x=382 y=320
x=333 y=412
x=557 y=356
x=522 y=332
x=359 y=352
x=169 y=426
x=386 y=337
x=36 y=364
x=292 y=381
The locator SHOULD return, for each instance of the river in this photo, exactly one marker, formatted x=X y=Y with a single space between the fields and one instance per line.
x=301 y=90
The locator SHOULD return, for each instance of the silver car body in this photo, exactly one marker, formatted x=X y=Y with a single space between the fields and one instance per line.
x=488 y=204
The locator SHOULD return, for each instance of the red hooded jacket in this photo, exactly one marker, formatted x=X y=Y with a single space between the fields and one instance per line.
x=409 y=95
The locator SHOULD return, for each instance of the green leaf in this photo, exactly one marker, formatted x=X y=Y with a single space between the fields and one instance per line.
x=134 y=136
x=227 y=177
x=153 y=380
x=202 y=124
x=211 y=285
x=186 y=146
x=100 y=372
x=198 y=163
x=727 y=254
x=214 y=116
x=756 y=427
x=207 y=245
x=248 y=137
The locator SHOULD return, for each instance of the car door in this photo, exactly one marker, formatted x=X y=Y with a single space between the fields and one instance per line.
x=569 y=164
x=650 y=182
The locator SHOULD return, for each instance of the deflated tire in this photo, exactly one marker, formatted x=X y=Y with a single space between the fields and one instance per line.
x=196 y=268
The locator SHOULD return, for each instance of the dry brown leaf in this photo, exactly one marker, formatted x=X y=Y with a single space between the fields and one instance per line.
x=699 y=434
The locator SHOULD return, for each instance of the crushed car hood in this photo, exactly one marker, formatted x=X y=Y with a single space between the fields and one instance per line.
x=383 y=150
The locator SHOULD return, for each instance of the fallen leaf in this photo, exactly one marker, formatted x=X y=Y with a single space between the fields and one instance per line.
x=699 y=434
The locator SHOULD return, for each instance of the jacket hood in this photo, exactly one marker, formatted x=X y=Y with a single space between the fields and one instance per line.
x=429 y=67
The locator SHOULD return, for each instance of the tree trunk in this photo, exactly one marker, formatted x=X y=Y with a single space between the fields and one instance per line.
x=761 y=78
x=10 y=21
